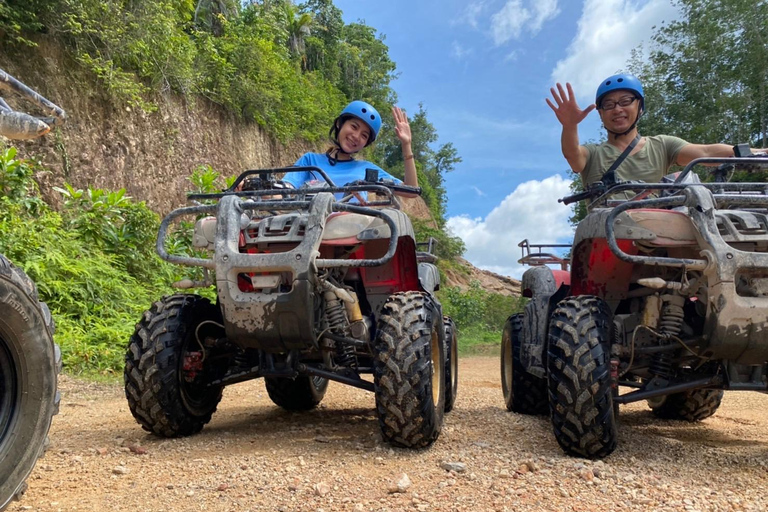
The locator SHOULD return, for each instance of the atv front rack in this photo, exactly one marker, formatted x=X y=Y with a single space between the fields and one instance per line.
x=230 y=210
x=703 y=200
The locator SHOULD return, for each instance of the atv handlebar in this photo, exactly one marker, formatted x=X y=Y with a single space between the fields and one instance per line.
x=20 y=125
x=390 y=184
x=587 y=194
x=743 y=158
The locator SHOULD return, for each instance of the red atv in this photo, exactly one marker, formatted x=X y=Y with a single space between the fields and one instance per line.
x=667 y=296
x=310 y=288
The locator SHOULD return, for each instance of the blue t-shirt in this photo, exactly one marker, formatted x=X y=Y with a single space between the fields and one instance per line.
x=342 y=173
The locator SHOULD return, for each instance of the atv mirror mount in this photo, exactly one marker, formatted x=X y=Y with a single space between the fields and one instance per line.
x=372 y=175
x=741 y=150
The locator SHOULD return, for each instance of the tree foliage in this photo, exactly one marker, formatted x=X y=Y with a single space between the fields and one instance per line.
x=707 y=77
x=289 y=68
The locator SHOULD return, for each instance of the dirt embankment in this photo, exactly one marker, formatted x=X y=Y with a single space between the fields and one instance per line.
x=254 y=456
x=151 y=155
x=489 y=281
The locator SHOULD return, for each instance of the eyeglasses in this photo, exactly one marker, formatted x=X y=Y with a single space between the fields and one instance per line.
x=623 y=102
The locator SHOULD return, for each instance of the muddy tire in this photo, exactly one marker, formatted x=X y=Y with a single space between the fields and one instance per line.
x=523 y=393
x=580 y=395
x=29 y=366
x=695 y=405
x=163 y=397
x=408 y=370
x=451 y=349
x=300 y=394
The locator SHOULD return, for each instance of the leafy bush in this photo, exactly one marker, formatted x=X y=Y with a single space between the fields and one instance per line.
x=476 y=306
x=479 y=315
x=16 y=183
x=94 y=265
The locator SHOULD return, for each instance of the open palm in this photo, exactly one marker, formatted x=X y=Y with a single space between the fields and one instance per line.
x=402 y=127
x=567 y=110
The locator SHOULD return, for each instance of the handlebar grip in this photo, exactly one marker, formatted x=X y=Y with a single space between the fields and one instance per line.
x=576 y=197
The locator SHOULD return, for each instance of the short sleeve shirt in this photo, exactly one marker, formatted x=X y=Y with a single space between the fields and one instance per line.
x=649 y=164
x=341 y=173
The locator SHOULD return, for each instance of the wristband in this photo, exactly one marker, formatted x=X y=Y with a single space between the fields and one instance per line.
x=409 y=157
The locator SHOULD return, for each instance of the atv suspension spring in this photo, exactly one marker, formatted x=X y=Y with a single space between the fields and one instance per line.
x=336 y=316
x=661 y=365
x=345 y=355
x=338 y=324
x=671 y=319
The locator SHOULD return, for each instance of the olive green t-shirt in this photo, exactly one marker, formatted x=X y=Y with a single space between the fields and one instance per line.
x=648 y=165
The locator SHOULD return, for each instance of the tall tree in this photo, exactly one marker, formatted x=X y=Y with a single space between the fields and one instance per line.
x=211 y=14
x=366 y=69
x=323 y=44
x=298 y=25
x=707 y=73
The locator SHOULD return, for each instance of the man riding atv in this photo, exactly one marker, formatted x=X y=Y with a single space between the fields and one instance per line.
x=667 y=293
x=620 y=102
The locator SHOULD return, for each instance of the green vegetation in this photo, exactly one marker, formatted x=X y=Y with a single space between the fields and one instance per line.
x=93 y=263
x=479 y=315
x=288 y=67
x=706 y=77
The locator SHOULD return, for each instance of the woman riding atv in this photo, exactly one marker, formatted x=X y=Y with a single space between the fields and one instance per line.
x=355 y=128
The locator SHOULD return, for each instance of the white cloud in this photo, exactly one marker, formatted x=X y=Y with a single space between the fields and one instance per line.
x=513 y=18
x=608 y=30
x=459 y=51
x=509 y=21
x=531 y=211
x=473 y=12
x=478 y=191
x=543 y=10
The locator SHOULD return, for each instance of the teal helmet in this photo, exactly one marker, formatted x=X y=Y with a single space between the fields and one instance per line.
x=366 y=113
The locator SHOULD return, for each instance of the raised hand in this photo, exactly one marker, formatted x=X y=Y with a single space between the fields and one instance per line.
x=402 y=127
x=567 y=111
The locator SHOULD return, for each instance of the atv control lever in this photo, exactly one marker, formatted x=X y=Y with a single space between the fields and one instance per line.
x=593 y=190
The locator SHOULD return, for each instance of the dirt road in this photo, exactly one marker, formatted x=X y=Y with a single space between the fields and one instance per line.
x=254 y=456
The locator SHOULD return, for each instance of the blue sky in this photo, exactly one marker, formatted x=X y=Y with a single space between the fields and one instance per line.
x=482 y=69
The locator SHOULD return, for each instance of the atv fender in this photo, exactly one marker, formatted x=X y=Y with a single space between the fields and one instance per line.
x=539 y=284
x=429 y=277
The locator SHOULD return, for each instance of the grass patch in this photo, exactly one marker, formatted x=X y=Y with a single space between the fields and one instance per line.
x=477 y=340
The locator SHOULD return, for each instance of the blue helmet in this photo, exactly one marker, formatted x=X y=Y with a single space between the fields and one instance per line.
x=367 y=114
x=622 y=81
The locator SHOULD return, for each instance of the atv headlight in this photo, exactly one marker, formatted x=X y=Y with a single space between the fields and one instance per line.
x=205 y=233
x=345 y=225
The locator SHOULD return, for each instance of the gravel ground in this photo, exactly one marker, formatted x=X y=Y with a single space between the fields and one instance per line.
x=255 y=456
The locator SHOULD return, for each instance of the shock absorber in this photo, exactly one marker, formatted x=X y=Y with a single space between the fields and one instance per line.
x=670 y=324
x=338 y=323
x=661 y=365
x=671 y=319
